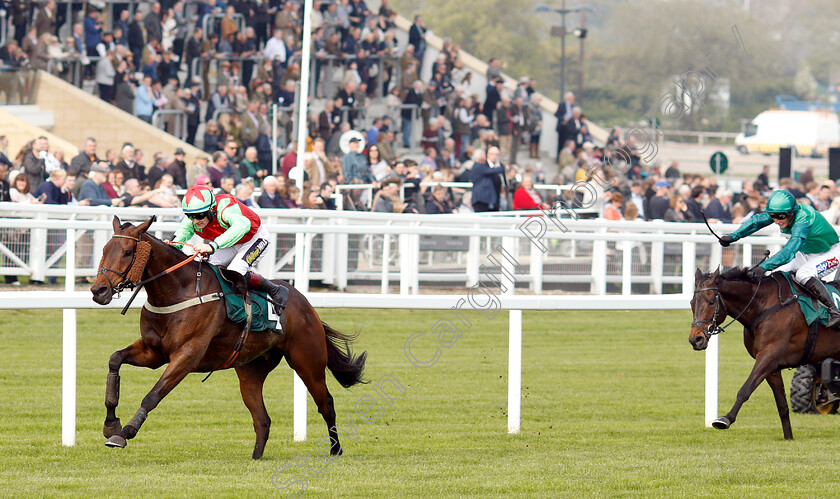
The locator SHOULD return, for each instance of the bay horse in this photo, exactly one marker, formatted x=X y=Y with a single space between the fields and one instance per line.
x=200 y=338
x=775 y=332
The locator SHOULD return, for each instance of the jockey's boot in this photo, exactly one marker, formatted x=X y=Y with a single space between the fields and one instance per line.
x=816 y=286
x=278 y=294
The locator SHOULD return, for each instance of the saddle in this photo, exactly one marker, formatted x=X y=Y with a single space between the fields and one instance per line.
x=243 y=304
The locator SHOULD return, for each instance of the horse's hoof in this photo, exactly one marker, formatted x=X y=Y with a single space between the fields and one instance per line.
x=109 y=430
x=337 y=451
x=721 y=423
x=116 y=441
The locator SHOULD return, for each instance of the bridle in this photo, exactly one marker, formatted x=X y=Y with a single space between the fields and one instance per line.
x=714 y=328
x=125 y=283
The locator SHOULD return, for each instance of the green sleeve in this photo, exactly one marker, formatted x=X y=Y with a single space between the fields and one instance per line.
x=798 y=236
x=754 y=224
x=238 y=224
x=185 y=231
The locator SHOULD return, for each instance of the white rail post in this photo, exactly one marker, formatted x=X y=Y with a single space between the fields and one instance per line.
x=689 y=264
x=405 y=263
x=302 y=248
x=386 y=257
x=68 y=362
x=599 y=266
x=299 y=395
x=514 y=340
x=473 y=260
x=657 y=264
x=38 y=250
x=626 y=267
x=712 y=357
x=536 y=269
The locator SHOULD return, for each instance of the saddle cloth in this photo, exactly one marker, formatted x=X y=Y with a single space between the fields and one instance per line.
x=811 y=307
x=263 y=316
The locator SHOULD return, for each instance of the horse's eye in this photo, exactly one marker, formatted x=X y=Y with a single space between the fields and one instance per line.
x=711 y=302
x=127 y=253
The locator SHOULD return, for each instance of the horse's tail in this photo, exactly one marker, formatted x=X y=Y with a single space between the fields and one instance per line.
x=346 y=368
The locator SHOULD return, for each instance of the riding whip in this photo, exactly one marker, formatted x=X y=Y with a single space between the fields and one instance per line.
x=707 y=224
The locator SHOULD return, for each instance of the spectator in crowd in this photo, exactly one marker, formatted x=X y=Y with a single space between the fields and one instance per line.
x=677 y=211
x=355 y=166
x=719 y=208
x=612 y=210
x=113 y=184
x=92 y=190
x=486 y=174
x=144 y=100
x=80 y=165
x=52 y=190
x=318 y=166
x=661 y=202
x=130 y=165
x=387 y=200
x=270 y=198
x=177 y=169
x=439 y=202
x=526 y=197
x=34 y=163
x=20 y=191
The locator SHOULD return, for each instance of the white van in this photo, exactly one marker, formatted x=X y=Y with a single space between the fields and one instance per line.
x=810 y=133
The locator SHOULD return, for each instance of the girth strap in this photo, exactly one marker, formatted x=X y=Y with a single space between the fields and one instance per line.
x=171 y=309
x=811 y=343
x=770 y=311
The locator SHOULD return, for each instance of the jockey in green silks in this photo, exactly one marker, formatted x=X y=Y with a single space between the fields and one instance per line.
x=812 y=251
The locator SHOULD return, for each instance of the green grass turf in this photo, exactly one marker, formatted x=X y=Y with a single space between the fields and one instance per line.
x=612 y=406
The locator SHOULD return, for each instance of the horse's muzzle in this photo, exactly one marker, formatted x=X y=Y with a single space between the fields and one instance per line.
x=101 y=294
x=698 y=340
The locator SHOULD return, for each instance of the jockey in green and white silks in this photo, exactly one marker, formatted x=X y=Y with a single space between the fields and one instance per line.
x=811 y=253
x=235 y=236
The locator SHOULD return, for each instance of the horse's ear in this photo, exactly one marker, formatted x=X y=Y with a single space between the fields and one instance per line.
x=117 y=223
x=697 y=276
x=716 y=275
x=143 y=227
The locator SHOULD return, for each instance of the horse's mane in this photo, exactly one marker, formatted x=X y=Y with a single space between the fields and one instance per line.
x=737 y=274
x=175 y=251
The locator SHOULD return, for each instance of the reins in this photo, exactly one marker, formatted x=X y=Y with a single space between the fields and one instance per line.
x=136 y=286
x=713 y=328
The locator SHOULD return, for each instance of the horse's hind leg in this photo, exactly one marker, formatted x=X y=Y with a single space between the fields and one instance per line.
x=251 y=379
x=777 y=384
x=313 y=374
x=765 y=363
x=181 y=363
x=136 y=354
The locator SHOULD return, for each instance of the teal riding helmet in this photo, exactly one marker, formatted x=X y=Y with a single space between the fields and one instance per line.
x=781 y=202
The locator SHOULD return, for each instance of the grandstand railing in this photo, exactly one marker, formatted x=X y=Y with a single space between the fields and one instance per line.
x=566 y=254
x=179 y=123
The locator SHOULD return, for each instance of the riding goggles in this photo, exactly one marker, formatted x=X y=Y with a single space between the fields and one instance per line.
x=779 y=216
x=198 y=216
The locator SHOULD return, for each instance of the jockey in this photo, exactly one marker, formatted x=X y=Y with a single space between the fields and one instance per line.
x=236 y=238
x=812 y=251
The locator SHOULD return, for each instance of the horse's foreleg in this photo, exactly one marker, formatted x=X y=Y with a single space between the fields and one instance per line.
x=251 y=379
x=765 y=363
x=181 y=363
x=136 y=354
x=777 y=384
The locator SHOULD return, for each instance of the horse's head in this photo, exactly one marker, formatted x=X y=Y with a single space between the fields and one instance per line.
x=707 y=307
x=123 y=259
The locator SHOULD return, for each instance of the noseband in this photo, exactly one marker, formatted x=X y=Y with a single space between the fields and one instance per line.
x=714 y=328
x=125 y=283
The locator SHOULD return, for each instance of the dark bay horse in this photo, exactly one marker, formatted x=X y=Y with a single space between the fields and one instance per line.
x=775 y=331
x=200 y=338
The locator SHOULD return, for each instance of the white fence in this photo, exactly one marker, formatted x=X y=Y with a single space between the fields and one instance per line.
x=529 y=242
